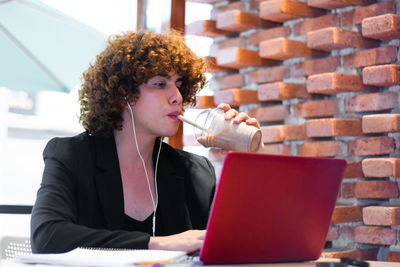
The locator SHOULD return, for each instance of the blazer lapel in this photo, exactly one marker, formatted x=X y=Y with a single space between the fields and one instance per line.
x=172 y=213
x=108 y=181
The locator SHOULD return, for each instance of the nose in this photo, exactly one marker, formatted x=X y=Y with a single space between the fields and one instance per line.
x=176 y=97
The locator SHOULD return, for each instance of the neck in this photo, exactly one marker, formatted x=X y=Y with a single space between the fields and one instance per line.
x=126 y=143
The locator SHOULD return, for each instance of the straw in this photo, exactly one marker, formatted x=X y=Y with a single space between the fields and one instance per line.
x=184 y=119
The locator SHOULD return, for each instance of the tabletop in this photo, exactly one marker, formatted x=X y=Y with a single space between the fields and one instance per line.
x=13 y=263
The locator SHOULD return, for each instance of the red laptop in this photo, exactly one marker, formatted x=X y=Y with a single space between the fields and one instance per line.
x=270 y=208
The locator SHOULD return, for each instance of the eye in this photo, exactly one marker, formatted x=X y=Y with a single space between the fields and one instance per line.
x=179 y=83
x=159 y=84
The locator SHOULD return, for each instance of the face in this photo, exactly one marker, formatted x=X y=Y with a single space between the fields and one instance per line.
x=158 y=105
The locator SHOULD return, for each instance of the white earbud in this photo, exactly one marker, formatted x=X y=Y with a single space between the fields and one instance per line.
x=155 y=201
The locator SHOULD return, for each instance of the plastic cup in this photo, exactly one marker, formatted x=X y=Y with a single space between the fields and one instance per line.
x=221 y=133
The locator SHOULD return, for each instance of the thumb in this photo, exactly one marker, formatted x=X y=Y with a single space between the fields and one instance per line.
x=202 y=140
x=206 y=141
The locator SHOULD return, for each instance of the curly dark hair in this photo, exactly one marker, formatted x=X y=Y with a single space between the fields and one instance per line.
x=130 y=60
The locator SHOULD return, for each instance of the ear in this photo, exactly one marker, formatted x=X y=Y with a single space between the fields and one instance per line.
x=128 y=100
x=124 y=101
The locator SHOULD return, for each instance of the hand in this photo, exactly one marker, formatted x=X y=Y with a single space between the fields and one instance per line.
x=237 y=116
x=189 y=241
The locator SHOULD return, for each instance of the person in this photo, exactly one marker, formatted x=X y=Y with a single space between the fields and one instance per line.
x=117 y=184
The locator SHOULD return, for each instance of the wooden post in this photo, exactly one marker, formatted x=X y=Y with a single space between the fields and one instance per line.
x=177 y=23
x=178 y=15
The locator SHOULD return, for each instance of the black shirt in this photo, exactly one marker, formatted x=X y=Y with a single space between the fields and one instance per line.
x=145 y=226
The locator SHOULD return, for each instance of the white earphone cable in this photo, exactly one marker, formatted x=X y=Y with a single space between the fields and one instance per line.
x=155 y=201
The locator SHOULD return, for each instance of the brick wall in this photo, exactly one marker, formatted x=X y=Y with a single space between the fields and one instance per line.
x=323 y=78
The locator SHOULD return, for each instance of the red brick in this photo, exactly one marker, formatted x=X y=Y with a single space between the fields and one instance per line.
x=333 y=4
x=333 y=127
x=280 y=133
x=334 y=38
x=257 y=37
x=237 y=57
x=216 y=154
x=333 y=83
x=205 y=101
x=333 y=233
x=375 y=235
x=226 y=82
x=381 y=167
x=317 y=108
x=348 y=190
x=379 y=123
x=284 y=10
x=356 y=16
x=212 y=66
x=270 y=113
x=204 y=28
x=371 y=102
x=374 y=56
x=321 y=65
x=238 y=21
x=319 y=149
x=231 y=42
x=235 y=97
x=393 y=256
x=361 y=254
x=371 y=146
x=267 y=75
x=383 y=27
x=376 y=189
x=383 y=75
x=381 y=215
x=353 y=170
x=342 y=214
x=283 y=48
x=347 y=232
x=275 y=149
x=280 y=90
x=302 y=28
x=223 y=8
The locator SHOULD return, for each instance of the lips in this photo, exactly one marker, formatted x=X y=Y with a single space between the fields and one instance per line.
x=173 y=115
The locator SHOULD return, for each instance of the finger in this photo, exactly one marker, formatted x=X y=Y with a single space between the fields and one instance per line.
x=230 y=114
x=205 y=141
x=223 y=106
x=202 y=140
x=202 y=235
x=196 y=246
x=241 y=117
x=253 y=122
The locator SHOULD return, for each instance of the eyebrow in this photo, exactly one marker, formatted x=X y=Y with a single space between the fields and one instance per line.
x=169 y=77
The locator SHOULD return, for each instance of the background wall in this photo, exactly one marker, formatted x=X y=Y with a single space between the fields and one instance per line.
x=322 y=77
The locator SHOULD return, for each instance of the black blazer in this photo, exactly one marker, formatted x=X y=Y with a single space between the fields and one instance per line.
x=80 y=200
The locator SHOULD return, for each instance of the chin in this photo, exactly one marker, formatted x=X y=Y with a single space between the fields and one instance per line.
x=169 y=133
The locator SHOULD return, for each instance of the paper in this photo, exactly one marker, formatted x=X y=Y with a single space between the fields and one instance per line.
x=103 y=257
